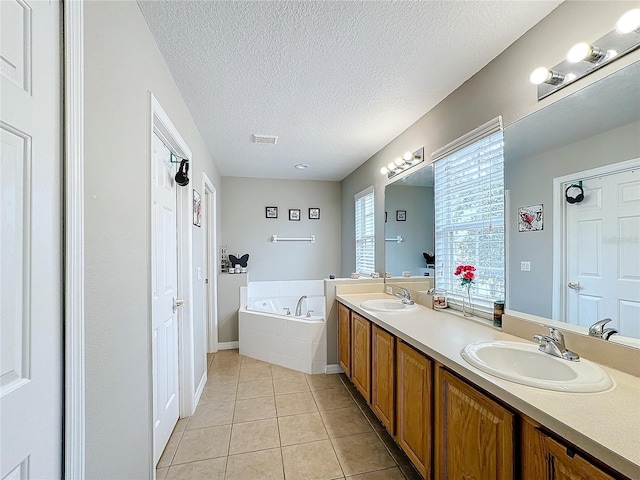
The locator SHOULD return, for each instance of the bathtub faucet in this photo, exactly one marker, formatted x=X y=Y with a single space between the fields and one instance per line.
x=299 y=306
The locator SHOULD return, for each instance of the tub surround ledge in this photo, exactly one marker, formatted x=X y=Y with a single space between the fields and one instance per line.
x=606 y=425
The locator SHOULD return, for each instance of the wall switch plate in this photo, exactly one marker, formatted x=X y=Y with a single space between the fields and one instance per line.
x=199 y=273
x=525 y=266
x=390 y=290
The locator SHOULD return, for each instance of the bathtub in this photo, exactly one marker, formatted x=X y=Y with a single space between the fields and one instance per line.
x=267 y=333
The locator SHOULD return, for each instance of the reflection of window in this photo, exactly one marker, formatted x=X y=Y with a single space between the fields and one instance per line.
x=469 y=211
x=365 y=234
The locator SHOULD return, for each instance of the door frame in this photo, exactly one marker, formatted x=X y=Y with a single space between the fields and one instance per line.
x=560 y=279
x=211 y=271
x=161 y=124
x=72 y=31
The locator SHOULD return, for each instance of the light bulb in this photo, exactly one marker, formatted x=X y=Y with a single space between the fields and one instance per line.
x=384 y=170
x=408 y=156
x=391 y=166
x=539 y=75
x=399 y=161
x=544 y=75
x=585 y=52
x=629 y=22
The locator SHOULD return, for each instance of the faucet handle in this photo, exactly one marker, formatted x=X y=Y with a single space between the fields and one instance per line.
x=597 y=329
x=287 y=310
x=309 y=312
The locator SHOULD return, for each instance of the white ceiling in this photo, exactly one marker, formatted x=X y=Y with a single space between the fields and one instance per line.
x=335 y=80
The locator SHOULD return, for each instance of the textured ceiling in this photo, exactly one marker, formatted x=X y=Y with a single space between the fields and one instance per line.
x=335 y=81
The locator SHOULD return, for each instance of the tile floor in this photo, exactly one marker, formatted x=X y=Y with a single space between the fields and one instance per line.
x=261 y=421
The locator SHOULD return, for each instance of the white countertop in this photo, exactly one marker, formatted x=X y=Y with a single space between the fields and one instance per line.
x=606 y=424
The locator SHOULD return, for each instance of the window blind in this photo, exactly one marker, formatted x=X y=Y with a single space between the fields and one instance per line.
x=469 y=214
x=365 y=232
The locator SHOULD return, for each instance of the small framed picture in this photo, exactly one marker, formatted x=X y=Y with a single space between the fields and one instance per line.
x=271 y=212
x=401 y=215
x=294 y=214
x=314 y=214
x=197 y=209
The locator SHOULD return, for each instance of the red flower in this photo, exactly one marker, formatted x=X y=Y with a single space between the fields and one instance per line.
x=466 y=271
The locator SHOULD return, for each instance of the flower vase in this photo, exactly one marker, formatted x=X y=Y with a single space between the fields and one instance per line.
x=467 y=304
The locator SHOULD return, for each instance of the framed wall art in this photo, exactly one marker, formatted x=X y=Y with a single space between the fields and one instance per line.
x=271 y=212
x=197 y=209
x=314 y=214
x=401 y=215
x=294 y=214
x=531 y=218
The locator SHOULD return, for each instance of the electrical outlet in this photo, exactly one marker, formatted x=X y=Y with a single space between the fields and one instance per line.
x=525 y=266
x=390 y=290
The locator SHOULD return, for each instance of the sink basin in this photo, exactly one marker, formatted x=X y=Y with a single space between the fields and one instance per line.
x=523 y=363
x=388 y=305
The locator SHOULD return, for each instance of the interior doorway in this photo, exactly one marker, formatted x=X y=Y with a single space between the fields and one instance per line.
x=210 y=255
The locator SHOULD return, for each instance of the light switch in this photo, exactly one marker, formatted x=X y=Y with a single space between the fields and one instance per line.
x=525 y=266
x=199 y=273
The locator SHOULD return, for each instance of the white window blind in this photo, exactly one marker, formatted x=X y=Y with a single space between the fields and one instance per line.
x=469 y=214
x=365 y=232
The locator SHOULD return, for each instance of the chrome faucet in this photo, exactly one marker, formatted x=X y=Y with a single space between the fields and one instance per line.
x=598 y=330
x=404 y=295
x=299 y=306
x=553 y=344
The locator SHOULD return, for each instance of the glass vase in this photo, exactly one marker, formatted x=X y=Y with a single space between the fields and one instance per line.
x=467 y=304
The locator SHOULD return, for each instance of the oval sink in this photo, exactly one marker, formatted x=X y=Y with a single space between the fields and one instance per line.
x=523 y=363
x=388 y=305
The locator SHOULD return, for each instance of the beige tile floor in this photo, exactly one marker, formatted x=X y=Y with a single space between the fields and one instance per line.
x=261 y=421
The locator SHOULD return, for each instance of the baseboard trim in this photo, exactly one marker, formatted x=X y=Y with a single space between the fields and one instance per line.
x=333 y=368
x=228 y=345
x=200 y=389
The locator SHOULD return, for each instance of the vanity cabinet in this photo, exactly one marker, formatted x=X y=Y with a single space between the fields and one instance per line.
x=383 y=356
x=413 y=403
x=545 y=458
x=361 y=354
x=474 y=435
x=344 y=339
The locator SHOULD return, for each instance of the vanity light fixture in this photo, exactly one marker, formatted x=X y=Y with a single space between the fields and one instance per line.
x=401 y=164
x=586 y=57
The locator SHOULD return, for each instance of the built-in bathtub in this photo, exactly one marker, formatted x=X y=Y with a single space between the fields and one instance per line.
x=268 y=333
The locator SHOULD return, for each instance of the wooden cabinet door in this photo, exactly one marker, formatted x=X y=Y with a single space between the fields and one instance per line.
x=344 y=339
x=543 y=458
x=474 y=434
x=383 y=349
x=414 y=387
x=361 y=354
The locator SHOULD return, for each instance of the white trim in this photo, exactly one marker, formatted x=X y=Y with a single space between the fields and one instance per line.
x=333 y=368
x=489 y=128
x=74 y=362
x=228 y=345
x=560 y=228
x=200 y=389
x=211 y=253
x=364 y=192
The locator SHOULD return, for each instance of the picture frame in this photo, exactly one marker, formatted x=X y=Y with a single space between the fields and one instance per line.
x=314 y=213
x=401 y=215
x=271 y=212
x=197 y=208
x=294 y=214
x=531 y=218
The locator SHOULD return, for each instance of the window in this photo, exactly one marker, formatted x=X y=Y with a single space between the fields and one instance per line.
x=469 y=214
x=365 y=232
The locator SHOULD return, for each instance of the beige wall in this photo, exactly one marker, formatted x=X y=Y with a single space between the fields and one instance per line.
x=122 y=65
x=501 y=88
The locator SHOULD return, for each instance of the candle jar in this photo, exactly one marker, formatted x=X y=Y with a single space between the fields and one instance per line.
x=498 y=311
x=440 y=298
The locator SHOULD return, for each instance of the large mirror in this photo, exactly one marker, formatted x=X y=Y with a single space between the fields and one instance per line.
x=572 y=180
x=409 y=225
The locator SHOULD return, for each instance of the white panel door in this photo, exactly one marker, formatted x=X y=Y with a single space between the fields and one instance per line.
x=30 y=240
x=164 y=291
x=603 y=253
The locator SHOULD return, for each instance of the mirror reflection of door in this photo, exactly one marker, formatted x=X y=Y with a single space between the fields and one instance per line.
x=603 y=252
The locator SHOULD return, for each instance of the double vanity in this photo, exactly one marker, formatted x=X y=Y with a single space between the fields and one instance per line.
x=466 y=400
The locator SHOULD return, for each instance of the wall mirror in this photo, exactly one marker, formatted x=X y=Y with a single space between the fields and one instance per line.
x=577 y=261
x=409 y=224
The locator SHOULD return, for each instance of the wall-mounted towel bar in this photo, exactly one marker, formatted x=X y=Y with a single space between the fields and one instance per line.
x=398 y=239
x=276 y=239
